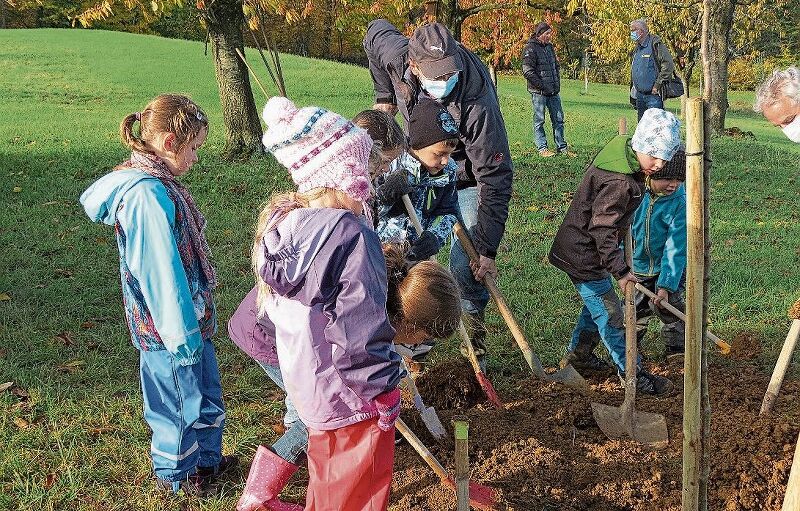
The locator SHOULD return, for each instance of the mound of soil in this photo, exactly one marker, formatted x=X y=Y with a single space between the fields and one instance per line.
x=745 y=345
x=544 y=451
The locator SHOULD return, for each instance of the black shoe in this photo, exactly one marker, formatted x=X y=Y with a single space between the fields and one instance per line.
x=398 y=437
x=671 y=352
x=193 y=486
x=225 y=464
x=590 y=363
x=652 y=384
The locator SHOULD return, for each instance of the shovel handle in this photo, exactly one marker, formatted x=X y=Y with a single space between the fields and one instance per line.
x=412 y=214
x=423 y=451
x=781 y=365
x=723 y=346
x=631 y=349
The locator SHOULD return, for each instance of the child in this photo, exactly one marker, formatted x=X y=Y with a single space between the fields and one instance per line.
x=422 y=301
x=659 y=251
x=167 y=285
x=321 y=279
x=427 y=174
x=388 y=139
x=587 y=246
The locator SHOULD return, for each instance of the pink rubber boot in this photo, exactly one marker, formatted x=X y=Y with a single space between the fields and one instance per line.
x=268 y=475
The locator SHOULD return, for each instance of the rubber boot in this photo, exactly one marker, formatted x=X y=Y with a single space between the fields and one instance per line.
x=583 y=358
x=268 y=475
x=476 y=329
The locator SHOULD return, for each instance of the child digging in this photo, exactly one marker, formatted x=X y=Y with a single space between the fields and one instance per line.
x=167 y=285
x=587 y=246
x=659 y=252
x=427 y=174
x=321 y=278
x=422 y=301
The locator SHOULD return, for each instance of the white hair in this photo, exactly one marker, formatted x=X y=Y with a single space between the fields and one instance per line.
x=641 y=23
x=781 y=84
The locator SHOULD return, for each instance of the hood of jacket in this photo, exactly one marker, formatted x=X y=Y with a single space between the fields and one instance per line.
x=617 y=156
x=101 y=200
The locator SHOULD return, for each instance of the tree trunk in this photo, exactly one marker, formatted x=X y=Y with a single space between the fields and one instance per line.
x=2 y=13
x=720 y=21
x=239 y=114
x=451 y=17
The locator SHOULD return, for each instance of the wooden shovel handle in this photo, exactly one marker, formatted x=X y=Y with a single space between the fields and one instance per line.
x=412 y=214
x=631 y=349
x=781 y=365
x=723 y=346
x=423 y=451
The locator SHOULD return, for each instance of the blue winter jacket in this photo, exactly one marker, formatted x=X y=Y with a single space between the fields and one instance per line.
x=659 y=238
x=168 y=303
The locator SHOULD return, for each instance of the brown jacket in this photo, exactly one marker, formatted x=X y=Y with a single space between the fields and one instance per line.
x=587 y=245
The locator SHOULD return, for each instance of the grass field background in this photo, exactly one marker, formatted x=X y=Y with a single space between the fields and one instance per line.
x=77 y=440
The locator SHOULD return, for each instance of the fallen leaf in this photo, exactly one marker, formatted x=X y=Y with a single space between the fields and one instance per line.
x=17 y=189
x=72 y=366
x=65 y=338
x=279 y=428
x=21 y=423
x=63 y=273
x=5 y=386
x=86 y=325
x=100 y=430
x=50 y=480
x=4 y=297
x=21 y=393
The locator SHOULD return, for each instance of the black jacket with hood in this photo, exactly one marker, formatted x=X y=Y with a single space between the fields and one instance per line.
x=482 y=154
x=540 y=68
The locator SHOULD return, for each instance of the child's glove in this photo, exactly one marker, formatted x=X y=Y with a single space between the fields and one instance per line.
x=394 y=186
x=424 y=247
x=388 y=405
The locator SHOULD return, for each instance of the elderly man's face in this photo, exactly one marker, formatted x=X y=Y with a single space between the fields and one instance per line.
x=639 y=30
x=782 y=113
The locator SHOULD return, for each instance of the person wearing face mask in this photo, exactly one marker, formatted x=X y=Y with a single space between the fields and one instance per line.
x=651 y=67
x=541 y=71
x=431 y=64
x=778 y=98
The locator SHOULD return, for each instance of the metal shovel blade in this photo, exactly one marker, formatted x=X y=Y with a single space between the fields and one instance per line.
x=568 y=375
x=431 y=419
x=647 y=428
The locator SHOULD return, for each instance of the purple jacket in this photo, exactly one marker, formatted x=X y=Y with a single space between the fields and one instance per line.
x=328 y=305
x=255 y=337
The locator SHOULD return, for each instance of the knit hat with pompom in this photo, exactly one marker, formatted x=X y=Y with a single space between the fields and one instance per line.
x=321 y=149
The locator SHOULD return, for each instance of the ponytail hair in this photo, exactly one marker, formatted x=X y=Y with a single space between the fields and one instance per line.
x=425 y=296
x=167 y=113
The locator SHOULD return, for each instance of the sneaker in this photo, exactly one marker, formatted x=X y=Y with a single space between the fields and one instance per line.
x=567 y=152
x=225 y=463
x=651 y=384
x=590 y=363
x=546 y=153
x=193 y=486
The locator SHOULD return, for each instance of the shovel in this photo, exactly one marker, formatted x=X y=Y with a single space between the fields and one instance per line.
x=480 y=497
x=723 y=346
x=428 y=413
x=618 y=422
x=568 y=376
x=782 y=364
x=484 y=382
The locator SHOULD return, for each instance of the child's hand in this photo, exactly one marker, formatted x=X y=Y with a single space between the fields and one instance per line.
x=388 y=405
x=661 y=295
x=426 y=246
x=394 y=186
x=630 y=278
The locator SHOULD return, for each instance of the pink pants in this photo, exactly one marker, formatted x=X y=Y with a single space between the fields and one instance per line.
x=350 y=468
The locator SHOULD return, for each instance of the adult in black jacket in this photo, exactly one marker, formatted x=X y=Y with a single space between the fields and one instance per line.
x=432 y=64
x=540 y=68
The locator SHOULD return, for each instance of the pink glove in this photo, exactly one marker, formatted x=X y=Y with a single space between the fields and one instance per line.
x=388 y=405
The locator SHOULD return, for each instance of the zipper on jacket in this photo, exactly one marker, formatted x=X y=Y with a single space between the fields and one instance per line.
x=653 y=200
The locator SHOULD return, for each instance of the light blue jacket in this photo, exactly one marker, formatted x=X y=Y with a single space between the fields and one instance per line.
x=659 y=238
x=167 y=301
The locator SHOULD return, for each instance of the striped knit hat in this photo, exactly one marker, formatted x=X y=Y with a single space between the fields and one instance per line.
x=321 y=149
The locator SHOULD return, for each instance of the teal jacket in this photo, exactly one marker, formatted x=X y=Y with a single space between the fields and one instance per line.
x=659 y=238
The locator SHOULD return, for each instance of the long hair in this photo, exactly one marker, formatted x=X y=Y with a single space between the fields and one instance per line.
x=167 y=113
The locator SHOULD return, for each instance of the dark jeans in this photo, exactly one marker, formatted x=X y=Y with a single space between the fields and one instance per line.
x=553 y=104
x=645 y=101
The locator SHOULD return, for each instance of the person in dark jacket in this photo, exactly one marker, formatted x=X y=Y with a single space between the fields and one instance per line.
x=651 y=67
x=587 y=246
x=540 y=69
x=432 y=64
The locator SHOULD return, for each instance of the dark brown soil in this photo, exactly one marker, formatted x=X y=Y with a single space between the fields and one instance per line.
x=543 y=450
x=745 y=345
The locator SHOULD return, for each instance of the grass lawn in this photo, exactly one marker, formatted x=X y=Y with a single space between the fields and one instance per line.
x=71 y=431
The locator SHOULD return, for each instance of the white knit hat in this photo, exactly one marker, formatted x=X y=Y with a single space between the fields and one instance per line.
x=657 y=134
x=321 y=149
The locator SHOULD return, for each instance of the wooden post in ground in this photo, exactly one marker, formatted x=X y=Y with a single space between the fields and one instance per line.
x=791 y=501
x=692 y=445
x=461 y=429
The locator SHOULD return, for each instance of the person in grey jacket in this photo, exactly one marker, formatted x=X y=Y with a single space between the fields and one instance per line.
x=432 y=64
x=541 y=71
x=651 y=67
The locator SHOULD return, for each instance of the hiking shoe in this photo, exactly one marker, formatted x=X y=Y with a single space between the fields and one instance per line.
x=546 y=153
x=398 y=437
x=225 y=463
x=567 y=152
x=586 y=363
x=672 y=352
x=651 y=384
x=193 y=486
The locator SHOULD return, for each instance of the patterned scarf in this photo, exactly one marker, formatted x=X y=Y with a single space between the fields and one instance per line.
x=156 y=167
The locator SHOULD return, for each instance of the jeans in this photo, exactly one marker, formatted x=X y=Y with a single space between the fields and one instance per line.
x=553 y=104
x=293 y=444
x=602 y=313
x=673 y=330
x=184 y=409
x=645 y=101
x=474 y=296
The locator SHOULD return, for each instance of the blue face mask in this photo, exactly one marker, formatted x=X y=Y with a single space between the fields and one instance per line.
x=439 y=89
x=635 y=36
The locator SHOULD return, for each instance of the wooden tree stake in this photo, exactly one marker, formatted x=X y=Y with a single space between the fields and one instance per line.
x=461 y=428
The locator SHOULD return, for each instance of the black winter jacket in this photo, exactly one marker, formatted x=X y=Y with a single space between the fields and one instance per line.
x=482 y=154
x=540 y=68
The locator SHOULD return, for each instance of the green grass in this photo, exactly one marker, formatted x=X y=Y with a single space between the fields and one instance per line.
x=78 y=440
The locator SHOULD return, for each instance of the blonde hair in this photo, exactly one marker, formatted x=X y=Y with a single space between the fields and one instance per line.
x=167 y=113
x=272 y=214
x=426 y=296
